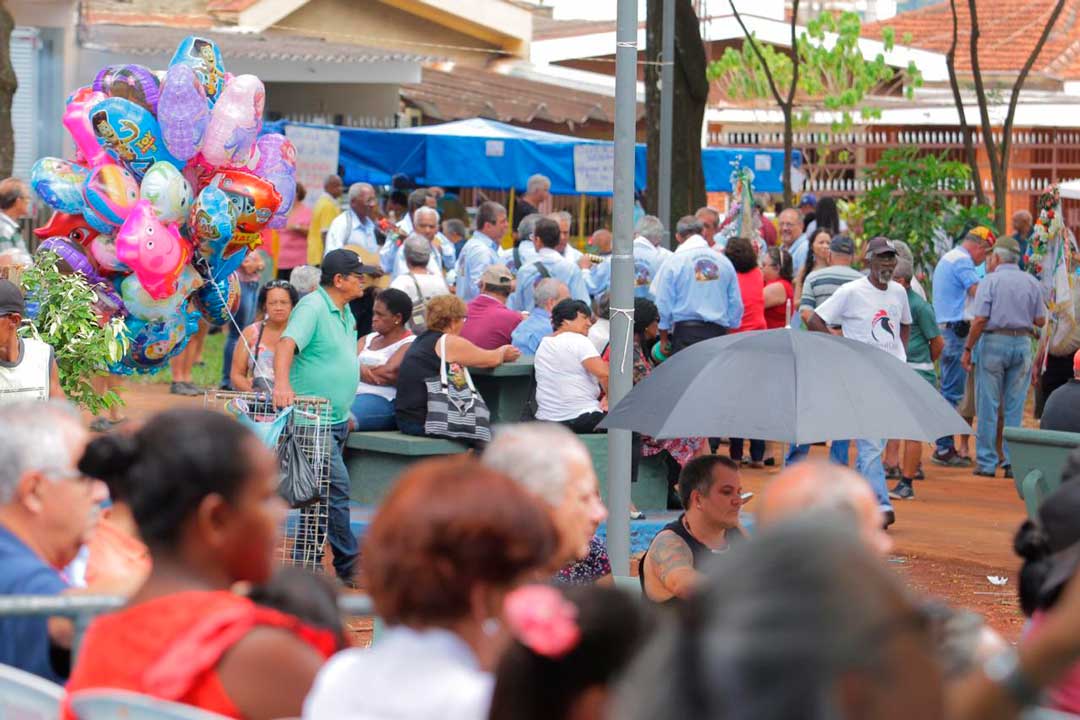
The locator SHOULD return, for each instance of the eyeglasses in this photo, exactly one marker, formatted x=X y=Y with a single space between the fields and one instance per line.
x=75 y=475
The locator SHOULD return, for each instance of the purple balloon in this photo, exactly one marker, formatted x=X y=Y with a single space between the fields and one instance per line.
x=183 y=112
x=277 y=163
x=73 y=259
x=131 y=82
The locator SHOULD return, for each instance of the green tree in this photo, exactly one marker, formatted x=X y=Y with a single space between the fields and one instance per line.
x=823 y=70
x=82 y=345
x=911 y=199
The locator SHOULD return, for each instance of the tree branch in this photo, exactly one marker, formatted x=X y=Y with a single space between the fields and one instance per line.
x=965 y=129
x=980 y=93
x=794 y=52
x=761 y=56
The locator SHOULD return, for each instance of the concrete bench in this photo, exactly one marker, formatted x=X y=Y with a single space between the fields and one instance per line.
x=1038 y=457
x=505 y=388
x=375 y=459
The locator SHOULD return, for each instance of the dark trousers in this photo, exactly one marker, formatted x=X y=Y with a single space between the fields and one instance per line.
x=245 y=315
x=338 y=530
x=586 y=424
x=690 y=332
x=1059 y=371
x=757 y=449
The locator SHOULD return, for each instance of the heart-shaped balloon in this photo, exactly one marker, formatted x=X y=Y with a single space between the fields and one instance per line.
x=59 y=183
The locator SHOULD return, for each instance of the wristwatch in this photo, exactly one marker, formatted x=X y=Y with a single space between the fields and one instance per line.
x=1003 y=669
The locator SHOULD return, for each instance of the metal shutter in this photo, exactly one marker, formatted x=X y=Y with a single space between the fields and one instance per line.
x=25 y=46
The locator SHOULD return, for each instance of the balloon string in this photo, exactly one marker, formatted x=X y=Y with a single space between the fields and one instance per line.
x=232 y=319
x=629 y=315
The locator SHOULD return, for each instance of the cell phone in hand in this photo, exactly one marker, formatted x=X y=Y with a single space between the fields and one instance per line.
x=747 y=497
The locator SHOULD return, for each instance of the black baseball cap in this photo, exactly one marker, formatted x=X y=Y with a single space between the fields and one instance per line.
x=880 y=246
x=842 y=244
x=11 y=299
x=345 y=262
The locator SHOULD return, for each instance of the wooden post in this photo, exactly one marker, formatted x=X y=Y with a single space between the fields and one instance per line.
x=508 y=239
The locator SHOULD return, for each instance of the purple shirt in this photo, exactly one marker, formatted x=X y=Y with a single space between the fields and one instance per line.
x=489 y=323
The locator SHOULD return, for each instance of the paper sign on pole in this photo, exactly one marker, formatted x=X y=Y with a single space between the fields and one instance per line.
x=594 y=168
x=316 y=157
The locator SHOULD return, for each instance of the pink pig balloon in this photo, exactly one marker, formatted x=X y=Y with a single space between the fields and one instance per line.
x=155 y=252
x=77 y=121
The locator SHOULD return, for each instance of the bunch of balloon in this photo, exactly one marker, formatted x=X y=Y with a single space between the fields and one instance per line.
x=169 y=188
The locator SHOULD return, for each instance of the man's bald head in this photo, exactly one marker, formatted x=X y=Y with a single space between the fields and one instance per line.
x=810 y=485
x=1022 y=222
x=790 y=225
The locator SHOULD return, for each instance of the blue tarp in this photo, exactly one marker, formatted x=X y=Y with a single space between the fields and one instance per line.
x=488 y=154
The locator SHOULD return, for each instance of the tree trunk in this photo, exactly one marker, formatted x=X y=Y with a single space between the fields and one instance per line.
x=691 y=94
x=789 y=133
x=8 y=84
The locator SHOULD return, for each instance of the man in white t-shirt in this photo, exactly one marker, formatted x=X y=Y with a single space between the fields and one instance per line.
x=872 y=310
x=419 y=283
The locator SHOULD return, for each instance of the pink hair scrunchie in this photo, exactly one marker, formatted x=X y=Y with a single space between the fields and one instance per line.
x=541 y=619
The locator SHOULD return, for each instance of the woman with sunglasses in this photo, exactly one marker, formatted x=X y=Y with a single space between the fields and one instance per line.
x=254 y=371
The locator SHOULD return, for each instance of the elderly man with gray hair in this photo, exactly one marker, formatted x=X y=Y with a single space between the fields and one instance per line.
x=537 y=190
x=354 y=226
x=47 y=512
x=553 y=464
x=418 y=281
x=537 y=326
x=524 y=250
x=649 y=254
x=1008 y=307
x=426 y=226
x=305 y=278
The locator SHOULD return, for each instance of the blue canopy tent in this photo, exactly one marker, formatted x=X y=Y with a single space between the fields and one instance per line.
x=489 y=154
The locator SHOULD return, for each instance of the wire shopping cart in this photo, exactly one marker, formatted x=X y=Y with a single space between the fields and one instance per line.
x=305 y=528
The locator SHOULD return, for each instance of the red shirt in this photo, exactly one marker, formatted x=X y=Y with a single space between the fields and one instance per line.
x=776 y=316
x=489 y=323
x=752 y=289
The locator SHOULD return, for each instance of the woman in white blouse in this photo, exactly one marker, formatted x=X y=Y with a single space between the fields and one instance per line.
x=570 y=374
x=451 y=539
x=380 y=355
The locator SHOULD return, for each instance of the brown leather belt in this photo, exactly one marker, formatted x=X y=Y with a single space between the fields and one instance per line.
x=1012 y=333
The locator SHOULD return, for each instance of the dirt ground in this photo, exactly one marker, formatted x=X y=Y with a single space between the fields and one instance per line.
x=956 y=533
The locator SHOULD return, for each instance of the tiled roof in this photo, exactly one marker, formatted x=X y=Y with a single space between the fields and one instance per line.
x=545 y=28
x=1008 y=31
x=469 y=92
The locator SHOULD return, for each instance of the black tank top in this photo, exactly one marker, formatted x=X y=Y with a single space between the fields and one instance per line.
x=420 y=363
x=698 y=549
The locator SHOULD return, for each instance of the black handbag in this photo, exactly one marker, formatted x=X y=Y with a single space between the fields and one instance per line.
x=298 y=484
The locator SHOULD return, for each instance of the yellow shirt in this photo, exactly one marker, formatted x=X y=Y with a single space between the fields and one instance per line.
x=324 y=212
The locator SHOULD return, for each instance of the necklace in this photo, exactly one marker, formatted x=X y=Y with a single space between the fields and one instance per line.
x=714 y=551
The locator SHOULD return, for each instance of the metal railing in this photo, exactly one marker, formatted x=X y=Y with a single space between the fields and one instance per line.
x=82 y=609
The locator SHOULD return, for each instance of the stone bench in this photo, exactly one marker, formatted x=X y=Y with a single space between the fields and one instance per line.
x=375 y=459
x=1038 y=457
x=505 y=388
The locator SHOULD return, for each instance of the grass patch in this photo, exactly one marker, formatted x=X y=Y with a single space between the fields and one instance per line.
x=208 y=374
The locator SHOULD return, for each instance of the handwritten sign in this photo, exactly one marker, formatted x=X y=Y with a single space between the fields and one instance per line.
x=594 y=168
x=316 y=156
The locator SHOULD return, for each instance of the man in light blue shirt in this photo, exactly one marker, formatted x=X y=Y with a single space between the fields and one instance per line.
x=354 y=226
x=697 y=291
x=598 y=277
x=481 y=250
x=955 y=281
x=648 y=254
x=792 y=237
x=568 y=251
x=549 y=263
x=425 y=224
x=524 y=250
x=528 y=334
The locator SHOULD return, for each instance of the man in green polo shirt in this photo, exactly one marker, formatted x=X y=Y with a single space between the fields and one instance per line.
x=317 y=356
x=924 y=345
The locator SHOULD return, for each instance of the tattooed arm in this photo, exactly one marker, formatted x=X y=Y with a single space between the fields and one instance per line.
x=669 y=568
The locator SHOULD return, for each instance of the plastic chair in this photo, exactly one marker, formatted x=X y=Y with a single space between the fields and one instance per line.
x=28 y=697
x=124 y=705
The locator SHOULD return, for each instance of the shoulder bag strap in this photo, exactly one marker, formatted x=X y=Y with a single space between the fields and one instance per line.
x=542 y=269
x=258 y=347
x=442 y=361
x=517 y=256
x=419 y=292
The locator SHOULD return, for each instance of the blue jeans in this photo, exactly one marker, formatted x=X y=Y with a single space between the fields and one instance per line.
x=1001 y=372
x=245 y=315
x=953 y=379
x=868 y=463
x=373 y=412
x=838 y=452
x=339 y=533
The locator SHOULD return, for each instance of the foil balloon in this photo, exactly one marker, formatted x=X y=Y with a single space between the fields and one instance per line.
x=204 y=57
x=131 y=82
x=217 y=300
x=183 y=112
x=111 y=192
x=97 y=222
x=151 y=344
x=73 y=259
x=212 y=224
x=235 y=122
x=254 y=199
x=155 y=252
x=59 y=183
x=103 y=251
x=131 y=134
x=107 y=303
x=72 y=227
x=168 y=192
x=77 y=121
x=277 y=164
x=145 y=307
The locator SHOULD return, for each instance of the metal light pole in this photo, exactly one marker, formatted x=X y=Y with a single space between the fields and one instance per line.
x=667 y=108
x=622 y=284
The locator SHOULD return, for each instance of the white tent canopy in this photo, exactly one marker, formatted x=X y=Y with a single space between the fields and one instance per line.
x=1070 y=189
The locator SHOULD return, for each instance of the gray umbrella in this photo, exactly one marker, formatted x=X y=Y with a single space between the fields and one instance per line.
x=792 y=386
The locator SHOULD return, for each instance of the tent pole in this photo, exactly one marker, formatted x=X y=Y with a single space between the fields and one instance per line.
x=509 y=220
x=667 y=108
x=581 y=221
x=622 y=278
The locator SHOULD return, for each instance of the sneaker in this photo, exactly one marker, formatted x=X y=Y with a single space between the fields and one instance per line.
x=892 y=473
x=1008 y=471
x=888 y=517
x=984 y=473
x=919 y=474
x=757 y=464
x=177 y=388
x=191 y=390
x=770 y=462
x=949 y=459
x=902 y=491
x=637 y=515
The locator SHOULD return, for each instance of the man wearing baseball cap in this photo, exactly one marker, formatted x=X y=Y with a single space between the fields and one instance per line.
x=489 y=323
x=873 y=310
x=27 y=366
x=316 y=356
x=1008 y=307
x=1062 y=410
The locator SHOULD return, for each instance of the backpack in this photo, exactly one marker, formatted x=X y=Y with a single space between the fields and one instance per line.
x=418 y=320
